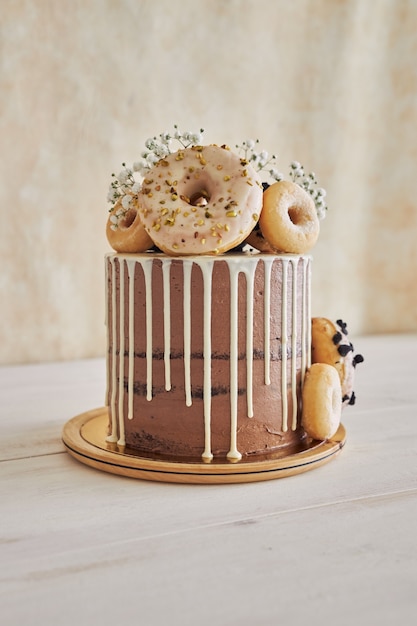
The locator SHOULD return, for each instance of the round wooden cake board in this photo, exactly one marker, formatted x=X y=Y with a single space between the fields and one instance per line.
x=85 y=439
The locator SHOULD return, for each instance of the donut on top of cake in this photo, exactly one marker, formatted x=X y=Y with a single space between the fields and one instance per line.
x=200 y=200
x=288 y=222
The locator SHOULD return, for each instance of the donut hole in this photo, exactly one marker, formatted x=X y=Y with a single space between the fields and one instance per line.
x=201 y=197
x=297 y=215
x=196 y=191
x=128 y=219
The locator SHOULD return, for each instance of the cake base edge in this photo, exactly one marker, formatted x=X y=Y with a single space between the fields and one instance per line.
x=84 y=437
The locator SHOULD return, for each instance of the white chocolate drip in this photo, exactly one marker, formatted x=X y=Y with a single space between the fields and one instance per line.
x=308 y=312
x=305 y=321
x=294 y=264
x=121 y=441
x=187 y=267
x=106 y=324
x=233 y=453
x=112 y=438
x=267 y=319
x=245 y=264
x=250 y=279
x=166 y=269
x=284 y=340
x=207 y=271
x=147 y=271
x=131 y=272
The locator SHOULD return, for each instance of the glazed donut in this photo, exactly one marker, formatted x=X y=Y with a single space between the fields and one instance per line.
x=200 y=200
x=322 y=401
x=124 y=230
x=330 y=344
x=289 y=219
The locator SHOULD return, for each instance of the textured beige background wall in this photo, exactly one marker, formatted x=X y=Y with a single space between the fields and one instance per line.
x=83 y=83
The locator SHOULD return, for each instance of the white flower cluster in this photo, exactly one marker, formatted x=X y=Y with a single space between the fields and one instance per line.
x=159 y=147
x=122 y=192
x=124 y=187
x=309 y=183
x=118 y=214
x=262 y=161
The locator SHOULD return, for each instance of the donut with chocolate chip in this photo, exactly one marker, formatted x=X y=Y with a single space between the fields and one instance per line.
x=330 y=344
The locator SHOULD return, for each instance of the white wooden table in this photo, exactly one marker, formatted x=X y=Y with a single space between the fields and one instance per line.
x=334 y=545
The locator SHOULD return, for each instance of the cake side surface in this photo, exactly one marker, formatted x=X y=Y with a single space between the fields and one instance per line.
x=206 y=355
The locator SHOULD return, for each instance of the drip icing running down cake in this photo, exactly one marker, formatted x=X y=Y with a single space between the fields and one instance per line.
x=208 y=305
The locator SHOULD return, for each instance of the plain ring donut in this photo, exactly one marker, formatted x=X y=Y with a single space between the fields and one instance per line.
x=125 y=231
x=322 y=401
x=289 y=220
x=200 y=200
x=330 y=344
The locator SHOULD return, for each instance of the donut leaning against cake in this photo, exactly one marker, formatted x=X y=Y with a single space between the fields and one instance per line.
x=207 y=200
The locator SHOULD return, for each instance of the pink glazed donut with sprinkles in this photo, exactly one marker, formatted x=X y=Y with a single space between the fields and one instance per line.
x=200 y=200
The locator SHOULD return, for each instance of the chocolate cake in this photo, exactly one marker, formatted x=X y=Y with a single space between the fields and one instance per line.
x=206 y=355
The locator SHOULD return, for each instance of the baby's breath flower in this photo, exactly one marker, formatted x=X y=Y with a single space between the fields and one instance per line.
x=117 y=214
x=151 y=159
x=309 y=182
x=196 y=139
x=150 y=143
x=166 y=137
x=275 y=175
x=112 y=194
x=161 y=151
x=259 y=160
x=143 y=168
x=126 y=201
x=123 y=176
x=321 y=211
x=263 y=157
